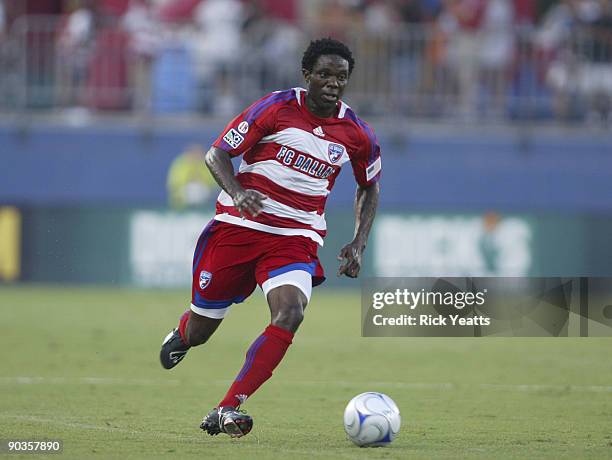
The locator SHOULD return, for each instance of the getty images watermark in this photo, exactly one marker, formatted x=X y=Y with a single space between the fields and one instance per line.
x=472 y=307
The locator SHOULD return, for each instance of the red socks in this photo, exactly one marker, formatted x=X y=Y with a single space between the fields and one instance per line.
x=183 y=325
x=261 y=359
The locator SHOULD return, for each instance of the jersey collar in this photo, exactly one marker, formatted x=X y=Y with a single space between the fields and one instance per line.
x=300 y=93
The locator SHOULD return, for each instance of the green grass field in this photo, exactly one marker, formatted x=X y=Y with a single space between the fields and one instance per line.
x=81 y=365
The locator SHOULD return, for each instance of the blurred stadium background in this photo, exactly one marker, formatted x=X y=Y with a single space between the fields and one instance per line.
x=494 y=120
x=493 y=117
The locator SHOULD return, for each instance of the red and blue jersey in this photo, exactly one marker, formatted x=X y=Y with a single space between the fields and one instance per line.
x=294 y=157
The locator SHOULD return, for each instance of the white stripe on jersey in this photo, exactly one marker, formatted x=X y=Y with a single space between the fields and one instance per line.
x=287 y=177
x=373 y=169
x=270 y=206
x=298 y=92
x=306 y=142
x=298 y=96
x=343 y=108
x=314 y=236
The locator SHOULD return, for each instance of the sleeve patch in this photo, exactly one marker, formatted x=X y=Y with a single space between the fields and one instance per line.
x=373 y=169
x=233 y=138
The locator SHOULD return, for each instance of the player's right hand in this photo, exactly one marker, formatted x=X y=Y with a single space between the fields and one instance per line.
x=249 y=202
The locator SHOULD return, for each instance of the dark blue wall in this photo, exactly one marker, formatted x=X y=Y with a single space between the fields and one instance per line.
x=123 y=165
x=544 y=172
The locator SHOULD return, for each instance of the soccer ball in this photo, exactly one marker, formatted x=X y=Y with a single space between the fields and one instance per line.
x=371 y=419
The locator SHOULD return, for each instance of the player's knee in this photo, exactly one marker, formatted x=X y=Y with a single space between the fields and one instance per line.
x=287 y=305
x=289 y=313
x=289 y=317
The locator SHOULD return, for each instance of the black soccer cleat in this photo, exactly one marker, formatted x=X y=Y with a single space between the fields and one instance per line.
x=229 y=420
x=173 y=350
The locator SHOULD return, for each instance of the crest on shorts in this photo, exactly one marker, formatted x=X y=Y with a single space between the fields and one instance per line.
x=205 y=278
x=335 y=152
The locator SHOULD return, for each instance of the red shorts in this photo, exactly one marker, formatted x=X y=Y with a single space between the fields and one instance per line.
x=230 y=261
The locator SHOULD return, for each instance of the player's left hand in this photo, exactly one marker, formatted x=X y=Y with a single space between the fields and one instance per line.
x=350 y=257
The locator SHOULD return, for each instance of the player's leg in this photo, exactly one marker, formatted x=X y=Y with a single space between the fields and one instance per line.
x=287 y=304
x=287 y=296
x=199 y=328
x=176 y=344
x=219 y=270
x=194 y=329
x=284 y=271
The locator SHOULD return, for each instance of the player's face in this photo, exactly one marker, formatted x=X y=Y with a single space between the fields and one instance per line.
x=326 y=83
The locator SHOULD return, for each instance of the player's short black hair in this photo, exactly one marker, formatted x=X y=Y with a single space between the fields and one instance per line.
x=324 y=46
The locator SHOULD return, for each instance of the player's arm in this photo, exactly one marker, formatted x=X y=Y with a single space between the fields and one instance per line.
x=240 y=135
x=246 y=201
x=366 y=163
x=366 y=203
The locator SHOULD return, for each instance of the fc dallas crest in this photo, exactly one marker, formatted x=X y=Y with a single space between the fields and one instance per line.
x=205 y=278
x=335 y=152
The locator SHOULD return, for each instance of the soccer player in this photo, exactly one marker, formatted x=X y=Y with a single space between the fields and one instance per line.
x=270 y=218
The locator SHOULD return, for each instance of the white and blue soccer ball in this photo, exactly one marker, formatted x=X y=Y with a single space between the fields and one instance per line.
x=372 y=419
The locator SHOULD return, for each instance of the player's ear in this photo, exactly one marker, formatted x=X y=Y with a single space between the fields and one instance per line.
x=306 y=73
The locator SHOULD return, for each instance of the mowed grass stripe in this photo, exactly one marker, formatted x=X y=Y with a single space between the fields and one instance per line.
x=23 y=380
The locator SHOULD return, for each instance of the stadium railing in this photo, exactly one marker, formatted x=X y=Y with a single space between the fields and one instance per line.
x=412 y=71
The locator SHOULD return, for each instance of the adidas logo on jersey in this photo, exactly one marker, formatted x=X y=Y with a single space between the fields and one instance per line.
x=318 y=131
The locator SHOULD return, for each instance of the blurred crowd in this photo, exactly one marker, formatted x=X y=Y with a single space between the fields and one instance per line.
x=200 y=55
